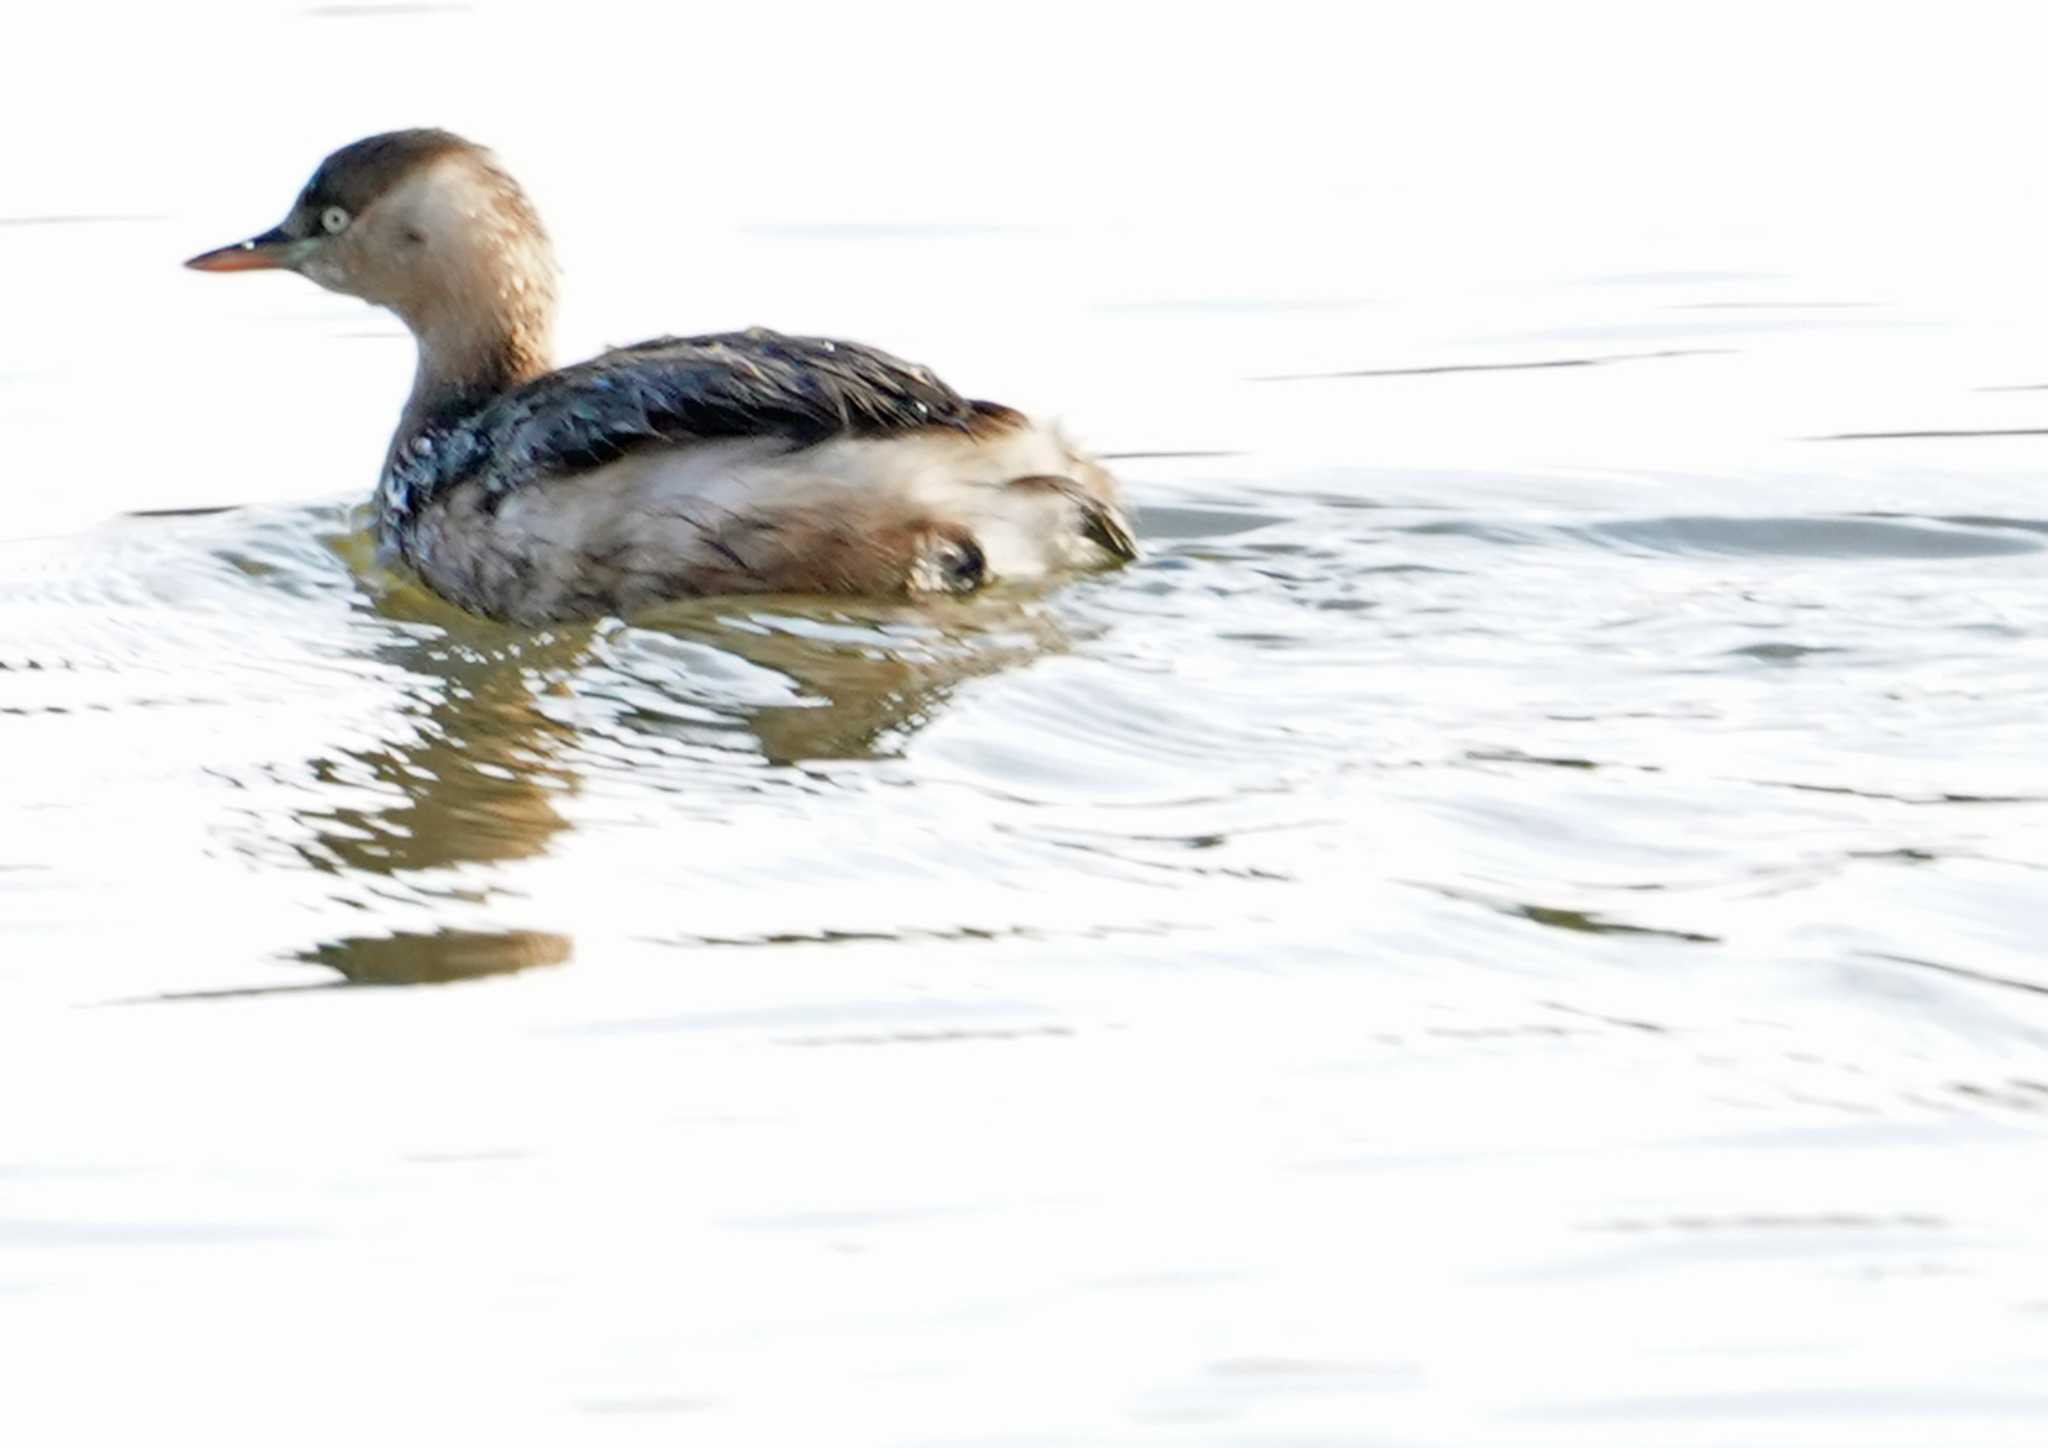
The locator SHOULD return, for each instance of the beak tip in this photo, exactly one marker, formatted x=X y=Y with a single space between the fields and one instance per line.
x=258 y=253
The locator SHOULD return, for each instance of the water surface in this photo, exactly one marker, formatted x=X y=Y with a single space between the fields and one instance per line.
x=1517 y=923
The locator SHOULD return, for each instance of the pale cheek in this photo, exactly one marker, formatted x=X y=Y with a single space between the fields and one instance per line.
x=325 y=270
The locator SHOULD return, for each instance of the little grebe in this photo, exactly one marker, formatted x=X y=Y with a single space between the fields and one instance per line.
x=744 y=462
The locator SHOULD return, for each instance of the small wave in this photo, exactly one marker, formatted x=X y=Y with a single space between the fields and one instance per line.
x=1843 y=537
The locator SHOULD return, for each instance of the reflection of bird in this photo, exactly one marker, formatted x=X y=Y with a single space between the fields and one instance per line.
x=869 y=677
x=426 y=957
x=473 y=779
x=740 y=463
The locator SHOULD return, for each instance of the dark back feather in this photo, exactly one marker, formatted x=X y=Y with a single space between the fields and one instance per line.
x=678 y=389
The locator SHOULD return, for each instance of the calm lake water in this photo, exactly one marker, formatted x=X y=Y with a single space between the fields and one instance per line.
x=1519 y=923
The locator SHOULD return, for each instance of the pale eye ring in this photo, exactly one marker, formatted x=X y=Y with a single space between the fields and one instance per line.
x=334 y=219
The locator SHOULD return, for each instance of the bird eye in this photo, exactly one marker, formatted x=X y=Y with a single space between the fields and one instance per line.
x=334 y=219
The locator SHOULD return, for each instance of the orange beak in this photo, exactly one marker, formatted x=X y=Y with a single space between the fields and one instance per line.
x=269 y=252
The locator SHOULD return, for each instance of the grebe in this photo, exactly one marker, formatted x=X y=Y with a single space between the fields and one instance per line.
x=742 y=462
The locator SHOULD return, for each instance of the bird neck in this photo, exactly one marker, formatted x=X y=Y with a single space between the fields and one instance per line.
x=485 y=328
x=460 y=370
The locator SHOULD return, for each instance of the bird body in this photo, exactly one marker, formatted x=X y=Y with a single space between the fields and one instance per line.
x=746 y=462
